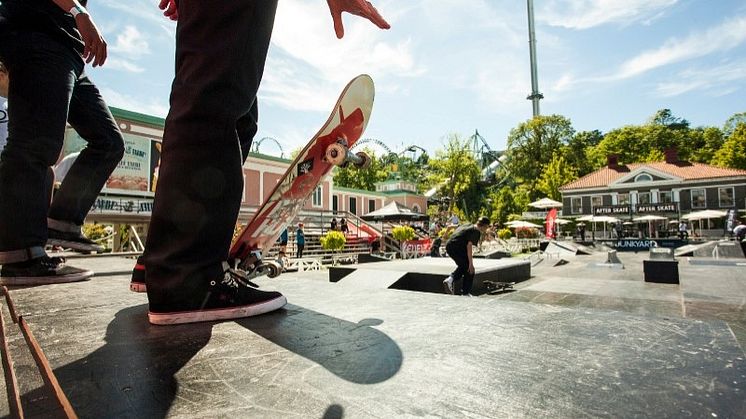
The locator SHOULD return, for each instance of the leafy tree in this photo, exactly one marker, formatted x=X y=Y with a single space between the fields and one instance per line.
x=576 y=152
x=704 y=143
x=532 y=144
x=733 y=152
x=556 y=173
x=664 y=117
x=456 y=169
x=508 y=202
x=365 y=179
x=731 y=123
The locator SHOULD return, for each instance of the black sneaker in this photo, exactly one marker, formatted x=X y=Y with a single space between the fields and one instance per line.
x=41 y=271
x=228 y=298
x=73 y=240
x=137 y=284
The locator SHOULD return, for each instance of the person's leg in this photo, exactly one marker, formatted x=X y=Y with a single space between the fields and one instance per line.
x=42 y=75
x=92 y=120
x=246 y=127
x=221 y=49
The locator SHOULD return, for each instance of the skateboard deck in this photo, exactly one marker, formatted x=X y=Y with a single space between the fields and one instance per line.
x=344 y=127
x=495 y=287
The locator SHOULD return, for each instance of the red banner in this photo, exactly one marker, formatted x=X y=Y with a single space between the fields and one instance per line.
x=550 y=225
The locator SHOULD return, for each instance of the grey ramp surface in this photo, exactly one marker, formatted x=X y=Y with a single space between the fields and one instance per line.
x=377 y=278
x=349 y=352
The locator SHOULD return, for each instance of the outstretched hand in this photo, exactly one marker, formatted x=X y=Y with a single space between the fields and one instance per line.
x=360 y=8
x=169 y=9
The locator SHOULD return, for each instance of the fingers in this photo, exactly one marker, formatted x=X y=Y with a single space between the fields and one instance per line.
x=169 y=9
x=372 y=14
x=360 y=8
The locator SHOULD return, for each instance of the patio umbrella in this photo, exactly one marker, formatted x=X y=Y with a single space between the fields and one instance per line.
x=650 y=219
x=521 y=224
x=545 y=203
x=704 y=215
x=562 y=221
x=599 y=219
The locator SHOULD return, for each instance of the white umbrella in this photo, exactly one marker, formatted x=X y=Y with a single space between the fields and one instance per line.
x=599 y=219
x=521 y=224
x=650 y=219
x=562 y=221
x=704 y=214
x=545 y=203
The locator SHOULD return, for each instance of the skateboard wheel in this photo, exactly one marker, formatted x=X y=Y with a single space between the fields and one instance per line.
x=335 y=154
x=273 y=269
x=365 y=163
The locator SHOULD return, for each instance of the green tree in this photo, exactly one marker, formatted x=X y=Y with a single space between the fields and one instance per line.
x=365 y=179
x=508 y=202
x=532 y=144
x=556 y=173
x=731 y=123
x=664 y=117
x=577 y=150
x=455 y=170
x=704 y=143
x=733 y=152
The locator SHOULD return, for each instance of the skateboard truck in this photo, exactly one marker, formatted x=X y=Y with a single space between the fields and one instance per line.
x=254 y=266
x=339 y=155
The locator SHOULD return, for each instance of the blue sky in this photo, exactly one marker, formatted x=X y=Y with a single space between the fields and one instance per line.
x=453 y=66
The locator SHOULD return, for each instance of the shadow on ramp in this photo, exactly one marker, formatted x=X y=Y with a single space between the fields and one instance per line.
x=355 y=352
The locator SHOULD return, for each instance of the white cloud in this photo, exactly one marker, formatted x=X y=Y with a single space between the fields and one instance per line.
x=723 y=37
x=715 y=81
x=114 y=63
x=584 y=14
x=151 y=106
x=307 y=65
x=131 y=43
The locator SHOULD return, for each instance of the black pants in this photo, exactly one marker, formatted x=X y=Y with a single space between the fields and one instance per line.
x=299 y=250
x=462 y=269
x=48 y=88
x=220 y=53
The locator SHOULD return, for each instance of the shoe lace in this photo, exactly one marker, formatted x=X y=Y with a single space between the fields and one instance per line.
x=236 y=277
x=53 y=261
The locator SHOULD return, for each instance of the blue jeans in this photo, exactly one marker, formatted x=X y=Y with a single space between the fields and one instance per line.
x=49 y=88
x=220 y=54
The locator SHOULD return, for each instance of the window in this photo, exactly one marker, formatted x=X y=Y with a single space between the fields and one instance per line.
x=725 y=196
x=371 y=205
x=643 y=177
x=316 y=200
x=665 y=197
x=352 y=208
x=597 y=201
x=623 y=199
x=699 y=198
x=335 y=203
x=643 y=198
x=576 y=205
x=416 y=208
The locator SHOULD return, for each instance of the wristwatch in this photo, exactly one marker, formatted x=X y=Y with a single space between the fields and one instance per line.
x=76 y=10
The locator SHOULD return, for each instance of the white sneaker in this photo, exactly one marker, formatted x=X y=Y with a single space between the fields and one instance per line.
x=448 y=285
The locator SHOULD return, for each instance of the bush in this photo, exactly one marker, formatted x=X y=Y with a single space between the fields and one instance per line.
x=403 y=233
x=526 y=233
x=505 y=234
x=94 y=231
x=333 y=240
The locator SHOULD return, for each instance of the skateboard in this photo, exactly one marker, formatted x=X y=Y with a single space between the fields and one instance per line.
x=495 y=287
x=328 y=148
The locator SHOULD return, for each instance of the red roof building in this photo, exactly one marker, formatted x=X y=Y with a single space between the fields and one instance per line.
x=672 y=187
